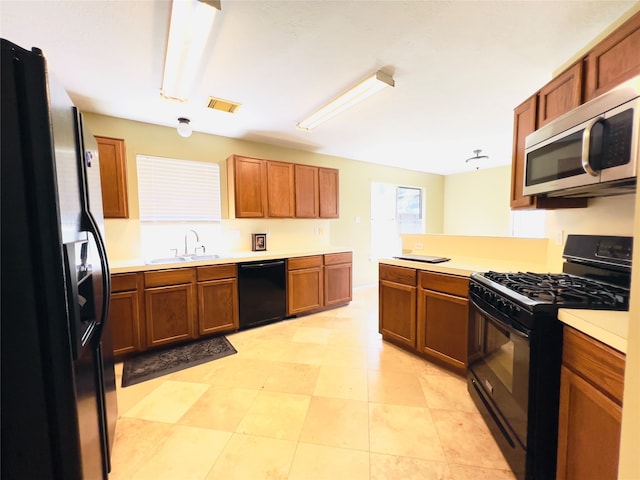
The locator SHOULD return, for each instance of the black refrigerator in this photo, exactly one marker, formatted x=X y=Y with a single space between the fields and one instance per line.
x=58 y=409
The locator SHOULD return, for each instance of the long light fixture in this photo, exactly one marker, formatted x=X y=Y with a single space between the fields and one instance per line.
x=191 y=22
x=362 y=90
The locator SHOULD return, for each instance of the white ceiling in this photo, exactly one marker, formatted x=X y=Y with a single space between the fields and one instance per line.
x=460 y=67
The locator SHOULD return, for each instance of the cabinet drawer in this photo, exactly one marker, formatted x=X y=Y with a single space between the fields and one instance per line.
x=162 y=278
x=216 y=272
x=123 y=282
x=442 y=282
x=335 y=258
x=598 y=363
x=304 y=262
x=403 y=275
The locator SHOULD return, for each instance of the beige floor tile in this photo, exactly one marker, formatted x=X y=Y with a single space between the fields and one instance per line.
x=317 y=335
x=404 y=431
x=316 y=462
x=247 y=457
x=467 y=440
x=337 y=422
x=317 y=320
x=349 y=357
x=187 y=453
x=130 y=396
x=309 y=353
x=339 y=382
x=265 y=349
x=241 y=373
x=168 y=402
x=292 y=378
x=391 y=358
x=389 y=467
x=447 y=393
x=134 y=442
x=397 y=388
x=275 y=415
x=220 y=408
x=464 y=472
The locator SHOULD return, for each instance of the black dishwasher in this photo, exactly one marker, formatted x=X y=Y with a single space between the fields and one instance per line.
x=261 y=292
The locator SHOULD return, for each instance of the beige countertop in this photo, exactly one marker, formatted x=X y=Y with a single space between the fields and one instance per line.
x=465 y=266
x=607 y=326
x=141 y=265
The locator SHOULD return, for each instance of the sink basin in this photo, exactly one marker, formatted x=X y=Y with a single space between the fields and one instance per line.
x=166 y=260
x=183 y=258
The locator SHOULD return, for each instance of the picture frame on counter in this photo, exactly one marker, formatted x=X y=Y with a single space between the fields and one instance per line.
x=258 y=242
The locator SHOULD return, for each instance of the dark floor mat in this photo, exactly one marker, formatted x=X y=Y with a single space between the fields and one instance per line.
x=162 y=362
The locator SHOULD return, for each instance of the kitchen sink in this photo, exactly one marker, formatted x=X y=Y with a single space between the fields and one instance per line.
x=181 y=259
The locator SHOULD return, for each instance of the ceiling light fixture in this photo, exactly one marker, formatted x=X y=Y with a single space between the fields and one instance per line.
x=184 y=127
x=476 y=157
x=362 y=90
x=191 y=22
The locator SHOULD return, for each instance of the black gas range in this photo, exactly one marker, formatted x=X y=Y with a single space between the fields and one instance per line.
x=516 y=343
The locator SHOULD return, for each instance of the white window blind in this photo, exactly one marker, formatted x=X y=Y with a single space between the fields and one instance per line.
x=170 y=189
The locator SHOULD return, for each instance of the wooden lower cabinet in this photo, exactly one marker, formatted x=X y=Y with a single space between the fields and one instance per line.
x=124 y=314
x=217 y=299
x=337 y=279
x=170 y=306
x=443 y=318
x=397 y=304
x=591 y=386
x=304 y=284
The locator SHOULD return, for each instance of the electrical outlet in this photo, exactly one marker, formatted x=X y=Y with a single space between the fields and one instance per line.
x=418 y=246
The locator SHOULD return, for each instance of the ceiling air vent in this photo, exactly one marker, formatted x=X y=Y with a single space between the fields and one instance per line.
x=222 y=105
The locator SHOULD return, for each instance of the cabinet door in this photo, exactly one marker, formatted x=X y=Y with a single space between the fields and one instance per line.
x=218 y=306
x=113 y=177
x=337 y=284
x=170 y=314
x=250 y=185
x=615 y=59
x=524 y=123
x=588 y=431
x=560 y=95
x=397 y=312
x=443 y=327
x=307 y=193
x=328 y=184
x=280 y=195
x=125 y=322
x=304 y=290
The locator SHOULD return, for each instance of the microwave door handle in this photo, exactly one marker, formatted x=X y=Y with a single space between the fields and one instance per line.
x=586 y=141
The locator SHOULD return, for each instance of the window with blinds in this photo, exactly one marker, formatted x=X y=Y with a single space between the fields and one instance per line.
x=171 y=189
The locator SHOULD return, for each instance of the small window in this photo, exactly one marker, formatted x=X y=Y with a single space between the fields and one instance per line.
x=409 y=209
x=171 y=189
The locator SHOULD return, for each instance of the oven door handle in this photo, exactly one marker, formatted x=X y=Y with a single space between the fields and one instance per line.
x=508 y=327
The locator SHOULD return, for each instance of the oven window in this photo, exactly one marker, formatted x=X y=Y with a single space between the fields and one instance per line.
x=499 y=356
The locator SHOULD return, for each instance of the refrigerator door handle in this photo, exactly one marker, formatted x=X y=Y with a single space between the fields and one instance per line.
x=92 y=227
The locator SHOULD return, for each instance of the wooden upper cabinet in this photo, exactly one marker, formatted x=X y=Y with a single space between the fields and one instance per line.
x=113 y=177
x=250 y=185
x=560 y=95
x=615 y=59
x=280 y=193
x=524 y=123
x=328 y=181
x=306 y=191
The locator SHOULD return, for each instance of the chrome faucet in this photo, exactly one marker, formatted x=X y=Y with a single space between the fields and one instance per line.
x=186 y=237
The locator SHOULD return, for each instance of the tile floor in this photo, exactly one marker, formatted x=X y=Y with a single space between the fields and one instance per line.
x=317 y=397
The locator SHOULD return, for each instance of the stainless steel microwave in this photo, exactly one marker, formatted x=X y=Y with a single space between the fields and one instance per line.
x=590 y=151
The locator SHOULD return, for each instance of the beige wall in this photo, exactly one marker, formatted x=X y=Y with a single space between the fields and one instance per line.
x=477 y=203
x=124 y=237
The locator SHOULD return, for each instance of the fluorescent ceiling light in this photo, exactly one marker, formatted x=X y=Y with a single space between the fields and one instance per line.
x=191 y=22
x=364 y=89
